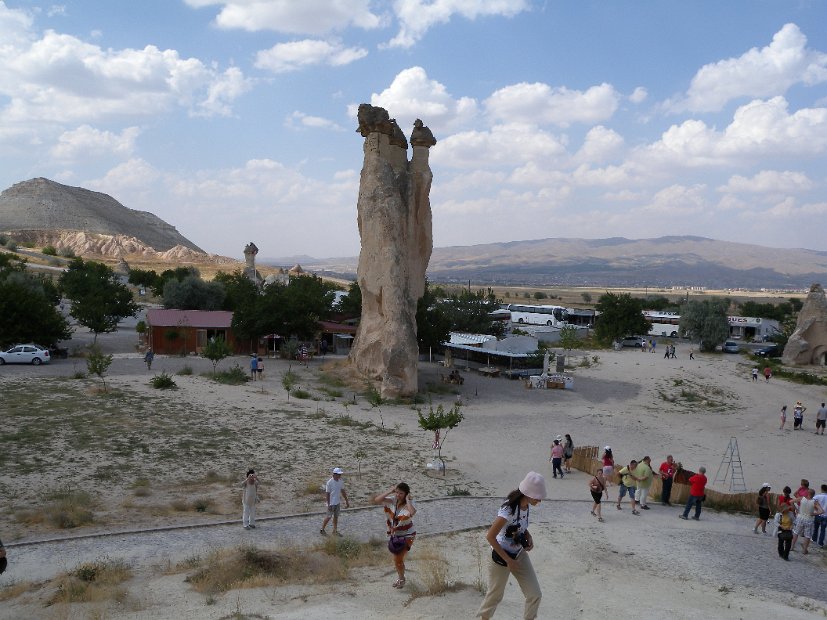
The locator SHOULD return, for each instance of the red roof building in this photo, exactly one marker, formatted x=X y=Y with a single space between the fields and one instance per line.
x=188 y=331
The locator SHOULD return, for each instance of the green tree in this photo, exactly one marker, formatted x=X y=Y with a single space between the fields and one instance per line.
x=240 y=291
x=660 y=304
x=179 y=273
x=99 y=300
x=193 y=293
x=568 y=338
x=27 y=308
x=438 y=420
x=620 y=316
x=433 y=326
x=216 y=350
x=587 y=297
x=706 y=322
x=98 y=364
x=146 y=278
x=293 y=309
x=350 y=305
x=471 y=312
x=540 y=295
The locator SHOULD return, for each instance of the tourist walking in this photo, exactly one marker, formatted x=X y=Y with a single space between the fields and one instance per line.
x=260 y=369
x=763 y=503
x=510 y=543
x=627 y=485
x=697 y=494
x=3 y=561
x=754 y=374
x=556 y=458
x=334 y=491
x=785 y=531
x=253 y=366
x=249 y=499
x=597 y=486
x=783 y=417
x=798 y=416
x=148 y=357
x=820 y=520
x=608 y=461
x=644 y=476
x=767 y=374
x=802 y=490
x=667 y=475
x=568 y=453
x=821 y=419
x=399 y=512
x=808 y=508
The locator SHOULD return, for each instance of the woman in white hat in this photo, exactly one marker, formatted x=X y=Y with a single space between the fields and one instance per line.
x=510 y=543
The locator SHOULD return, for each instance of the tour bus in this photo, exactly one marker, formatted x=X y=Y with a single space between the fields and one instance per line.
x=663 y=323
x=554 y=316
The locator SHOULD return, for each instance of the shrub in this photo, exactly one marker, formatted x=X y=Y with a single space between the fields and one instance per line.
x=66 y=252
x=50 y=250
x=202 y=504
x=457 y=492
x=300 y=393
x=92 y=582
x=185 y=371
x=69 y=508
x=233 y=376
x=11 y=245
x=163 y=382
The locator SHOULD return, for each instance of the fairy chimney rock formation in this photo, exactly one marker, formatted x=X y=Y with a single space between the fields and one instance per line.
x=394 y=217
x=808 y=343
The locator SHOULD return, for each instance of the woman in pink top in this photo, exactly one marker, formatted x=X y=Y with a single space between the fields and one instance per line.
x=556 y=458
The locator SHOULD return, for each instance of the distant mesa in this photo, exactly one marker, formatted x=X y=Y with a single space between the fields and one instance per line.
x=49 y=213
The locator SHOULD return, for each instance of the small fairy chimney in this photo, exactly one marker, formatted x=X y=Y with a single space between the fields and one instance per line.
x=250 y=251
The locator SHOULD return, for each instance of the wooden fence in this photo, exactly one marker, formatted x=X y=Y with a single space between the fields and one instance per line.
x=587 y=459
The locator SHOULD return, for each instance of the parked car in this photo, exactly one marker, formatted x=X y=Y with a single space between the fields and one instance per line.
x=25 y=354
x=633 y=341
x=771 y=350
x=730 y=346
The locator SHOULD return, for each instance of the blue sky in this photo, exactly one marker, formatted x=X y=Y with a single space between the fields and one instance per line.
x=234 y=120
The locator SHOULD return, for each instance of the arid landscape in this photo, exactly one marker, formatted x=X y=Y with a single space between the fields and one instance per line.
x=135 y=457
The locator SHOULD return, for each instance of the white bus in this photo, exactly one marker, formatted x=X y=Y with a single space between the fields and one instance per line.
x=663 y=323
x=554 y=316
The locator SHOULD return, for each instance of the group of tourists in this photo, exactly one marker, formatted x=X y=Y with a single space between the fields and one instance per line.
x=798 y=417
x=802 y=514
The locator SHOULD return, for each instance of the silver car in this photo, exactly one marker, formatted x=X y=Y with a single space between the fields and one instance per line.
x=25 y=354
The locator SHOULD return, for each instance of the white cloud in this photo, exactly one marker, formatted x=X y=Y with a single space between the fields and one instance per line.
x=312 y=17
x=86 y=141
x=503 y=146
x=62 y=79
x=541 y=104
x=600 y=145
x=758 y=129
x=300 y=119
x=678 y=199
x=416 y=17
x=768 y=181
x=639 y=95
x=764 y=72
x=296 y=55
x=14 y=28
x=413 y=95
x=56 y=9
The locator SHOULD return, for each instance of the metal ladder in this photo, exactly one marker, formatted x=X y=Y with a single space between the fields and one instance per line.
x=732 y=468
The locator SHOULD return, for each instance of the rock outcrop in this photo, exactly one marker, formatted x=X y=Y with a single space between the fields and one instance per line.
x=808 y=343
x=40 y=208
x=394 y=217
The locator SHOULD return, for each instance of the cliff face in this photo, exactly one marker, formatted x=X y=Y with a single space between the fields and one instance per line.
x=808 y=343
x=40 y=209
x=394 y=216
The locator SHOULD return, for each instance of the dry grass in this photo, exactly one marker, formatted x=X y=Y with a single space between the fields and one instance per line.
x=92 y=582
x=16 y=589
x=67 y=508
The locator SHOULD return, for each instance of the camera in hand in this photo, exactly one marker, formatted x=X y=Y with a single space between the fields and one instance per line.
x=513 y=532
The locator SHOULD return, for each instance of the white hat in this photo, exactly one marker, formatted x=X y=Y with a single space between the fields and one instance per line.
x=559 y=437
x=607 y=448
x=766 y=485
x=338 y=470
x=533 y=486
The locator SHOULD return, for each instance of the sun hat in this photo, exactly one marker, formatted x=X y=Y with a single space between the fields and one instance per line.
x=338 y=470
x=766 y=485
x=533 y=486
x=559 y=437
x=607 y=448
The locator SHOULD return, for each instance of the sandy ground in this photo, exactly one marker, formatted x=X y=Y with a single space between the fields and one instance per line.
x=655 y=566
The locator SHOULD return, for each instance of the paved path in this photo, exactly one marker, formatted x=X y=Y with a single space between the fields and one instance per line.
x=720 y=549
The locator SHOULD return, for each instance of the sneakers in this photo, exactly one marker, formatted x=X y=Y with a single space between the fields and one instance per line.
x=339 y=534
x=645 y=507
x=246 y=527
x=684 y=517
x=618 y=507
x=755 y=530
x=696 y=518
x=252 y=527
x=322 y=532
x=636 y=512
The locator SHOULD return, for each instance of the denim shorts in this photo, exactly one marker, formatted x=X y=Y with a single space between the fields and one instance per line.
x=623 y=489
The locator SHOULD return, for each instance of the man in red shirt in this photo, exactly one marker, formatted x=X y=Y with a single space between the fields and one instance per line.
x=667 y=473
x=697 y=492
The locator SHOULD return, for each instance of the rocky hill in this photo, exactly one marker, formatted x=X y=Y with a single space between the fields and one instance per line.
x=49 y=213
x=660 y=262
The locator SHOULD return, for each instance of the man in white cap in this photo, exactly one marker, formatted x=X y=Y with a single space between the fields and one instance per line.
x=334 y=491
